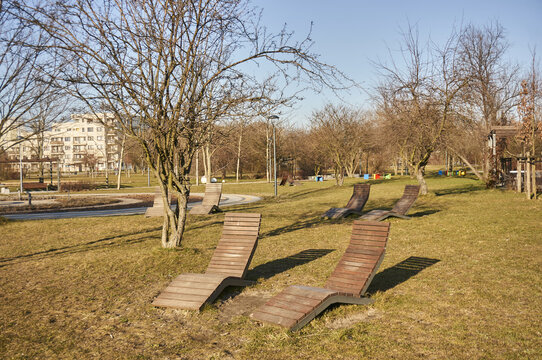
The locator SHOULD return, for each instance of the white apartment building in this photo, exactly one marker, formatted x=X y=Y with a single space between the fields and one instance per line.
x=86 y=142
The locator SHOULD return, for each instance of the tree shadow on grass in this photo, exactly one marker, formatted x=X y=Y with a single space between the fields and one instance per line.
x=272 y=268
x=303 y=193
x=297 y=225
x=399 y=273
x=460 y=190
x=116 y=240
x=240 y=208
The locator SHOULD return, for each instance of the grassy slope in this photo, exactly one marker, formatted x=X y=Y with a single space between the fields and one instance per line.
x=82 y=288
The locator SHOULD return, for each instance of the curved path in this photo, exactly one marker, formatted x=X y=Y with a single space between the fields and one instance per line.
x=226 y=200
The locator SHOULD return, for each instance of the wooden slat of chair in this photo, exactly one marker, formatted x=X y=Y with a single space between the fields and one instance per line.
x=211 y=200
x=157 y=208
x=296 y=305
x=401 y=207
x=228 y=266
x=410 y=195
x=359 y=197
x=357 y=201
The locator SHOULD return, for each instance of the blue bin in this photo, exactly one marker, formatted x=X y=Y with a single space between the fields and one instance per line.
x=366 y=176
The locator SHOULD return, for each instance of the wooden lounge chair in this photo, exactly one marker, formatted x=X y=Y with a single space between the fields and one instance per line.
x=211 y=199
x=400 y=208
x=228 y=266
x=355 y=204
x=157 y=208
x=297 y=305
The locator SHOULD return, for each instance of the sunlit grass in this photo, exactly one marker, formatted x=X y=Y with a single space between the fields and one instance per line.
x=82 y=288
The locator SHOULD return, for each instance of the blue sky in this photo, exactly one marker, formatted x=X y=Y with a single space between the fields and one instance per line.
x=350 y=34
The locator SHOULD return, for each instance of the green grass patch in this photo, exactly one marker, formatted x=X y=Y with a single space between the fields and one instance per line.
x=461 y=279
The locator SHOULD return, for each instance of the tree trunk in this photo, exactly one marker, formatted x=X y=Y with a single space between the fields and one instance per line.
x=420 y=176
x=267 y=161
x=197 y=167
x=174 y=220
x=339 y=176
x=528 y=176
x=119 y=171
x=518 y=177
x=207 y=161
x=238 y=155
x=473 y=169
x=533 y=181
x=350 y=169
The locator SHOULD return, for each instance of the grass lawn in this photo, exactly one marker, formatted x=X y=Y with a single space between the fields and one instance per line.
x=461 y=279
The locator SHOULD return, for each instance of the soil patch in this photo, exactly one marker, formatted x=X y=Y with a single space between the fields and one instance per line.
x=238 y=304
x=65 y=203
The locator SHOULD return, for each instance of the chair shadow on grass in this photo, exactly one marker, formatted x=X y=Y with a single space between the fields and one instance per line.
x=399 y=273
x=116 y=240
x=423 y=213
x=274 y=267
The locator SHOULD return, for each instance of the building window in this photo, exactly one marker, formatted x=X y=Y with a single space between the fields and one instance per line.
x=99 y=129
x=90 y=129
x=90 y=147
x=99 y=147
x=90 y=138
x=66 y=148
x=99 y=138
x=67 y=139
x=82 y=129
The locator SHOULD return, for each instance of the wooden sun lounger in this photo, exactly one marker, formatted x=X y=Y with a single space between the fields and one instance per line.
x=400 y=208
x=297 y=305
x=157 y=208
x=228 y=266
x=355 y=204
x=211 y=199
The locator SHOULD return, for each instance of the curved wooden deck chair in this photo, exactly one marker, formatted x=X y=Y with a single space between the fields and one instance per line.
x=355 y=204
x=157 y=208
x=228 y=266
x=297 y=305
x=211 y=199
x=400 y=208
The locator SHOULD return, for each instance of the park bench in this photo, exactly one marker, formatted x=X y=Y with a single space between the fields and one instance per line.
x=228 y=266
x=356 y=203
x=400 y=208
x=297 y=305
x=157 y=208
x=34 y=186
x=211 y=199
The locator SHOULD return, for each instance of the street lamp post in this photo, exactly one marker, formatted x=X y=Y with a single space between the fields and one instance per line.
x=274 y=117
x=19 y=137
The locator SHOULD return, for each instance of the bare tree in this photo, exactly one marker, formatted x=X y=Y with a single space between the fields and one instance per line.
x=339 y=132
x=492 y=90
x=530 y=130
x=418 y=98
x=24 y=74
x=49 y=109
x=165 y=69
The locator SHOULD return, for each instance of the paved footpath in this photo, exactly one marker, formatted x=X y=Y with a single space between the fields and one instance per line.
x=226 y=200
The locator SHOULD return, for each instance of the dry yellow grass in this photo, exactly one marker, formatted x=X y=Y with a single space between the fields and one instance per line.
x=460 y=280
